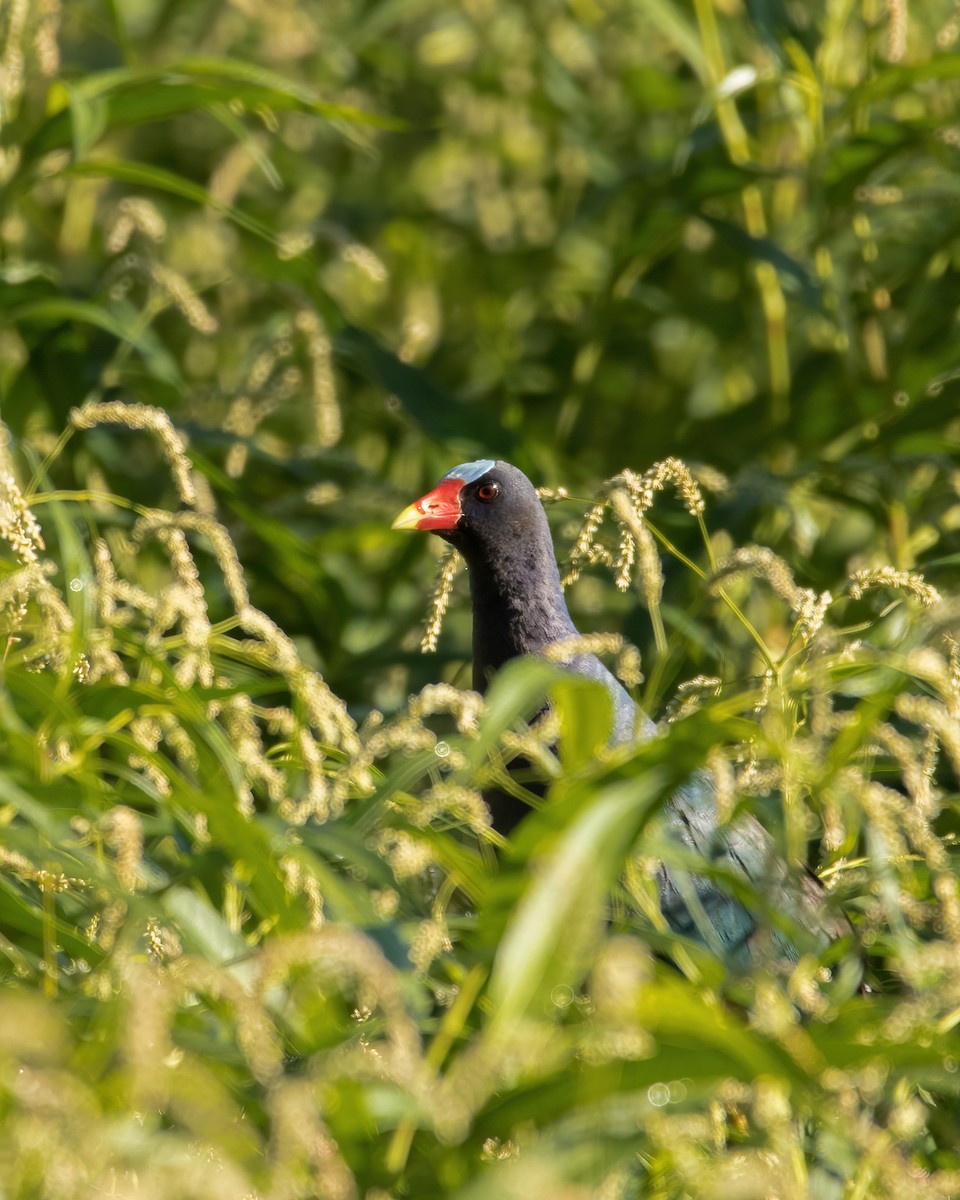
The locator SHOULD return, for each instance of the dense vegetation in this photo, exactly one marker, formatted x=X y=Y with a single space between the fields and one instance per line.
x=268 y=270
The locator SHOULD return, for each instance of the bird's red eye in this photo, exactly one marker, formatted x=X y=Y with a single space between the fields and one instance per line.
x=487 y=492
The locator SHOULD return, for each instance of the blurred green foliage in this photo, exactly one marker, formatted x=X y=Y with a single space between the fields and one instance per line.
x=602 y=235
x=254 y=938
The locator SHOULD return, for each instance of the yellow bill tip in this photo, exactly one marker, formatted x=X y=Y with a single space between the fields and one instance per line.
x=410 y=518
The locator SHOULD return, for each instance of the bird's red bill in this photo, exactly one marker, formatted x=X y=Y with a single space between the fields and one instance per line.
x=437 y=510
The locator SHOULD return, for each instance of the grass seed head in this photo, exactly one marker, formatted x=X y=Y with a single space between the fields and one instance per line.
x=633 y=527
x=124 y=834
x=889 y=577
x=449 y=566
x=152 y=420
x=19 y=528
x=326 y=410
x=181 y=293
x=135 y=214
x=644 y=488
x=158 y=521
x=429 y=942
x=465 y=706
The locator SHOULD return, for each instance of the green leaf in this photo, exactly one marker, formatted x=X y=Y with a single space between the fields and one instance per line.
x=585 y=709
x=677 y=28
x=439 y=415
x=89 y=117
x=203 y=927
x=894 y=79
x=547 y=941
x=163 y=180
x=766 y=250
x=519 y=691
x=121 y=321
x=127 y=96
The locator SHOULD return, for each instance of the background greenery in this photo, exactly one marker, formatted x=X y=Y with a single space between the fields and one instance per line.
x=254 y=939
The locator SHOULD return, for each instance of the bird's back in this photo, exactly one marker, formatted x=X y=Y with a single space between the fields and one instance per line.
x=692 y=904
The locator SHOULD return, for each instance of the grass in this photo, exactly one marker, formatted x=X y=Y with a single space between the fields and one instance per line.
x=267 y=273
x=249 y=945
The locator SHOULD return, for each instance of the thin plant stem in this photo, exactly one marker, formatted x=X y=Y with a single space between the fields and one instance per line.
x=734 y=608
x=708 y=545
x=450 y=1029
x=84 y=495
x=47 y=462
x=659 y=633
x=734 y=134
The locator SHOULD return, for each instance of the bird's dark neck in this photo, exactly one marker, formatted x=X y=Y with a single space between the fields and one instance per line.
x=518 y=604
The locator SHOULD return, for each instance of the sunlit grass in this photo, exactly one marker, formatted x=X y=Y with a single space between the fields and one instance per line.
x=247 y=917
x=267 y=270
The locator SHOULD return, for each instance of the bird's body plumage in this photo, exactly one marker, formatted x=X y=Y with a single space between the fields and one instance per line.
x=496 y=521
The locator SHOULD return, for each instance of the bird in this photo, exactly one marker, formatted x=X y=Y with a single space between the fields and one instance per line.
x=491 y=513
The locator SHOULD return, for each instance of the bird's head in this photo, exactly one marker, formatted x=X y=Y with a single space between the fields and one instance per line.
x=477 y=505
